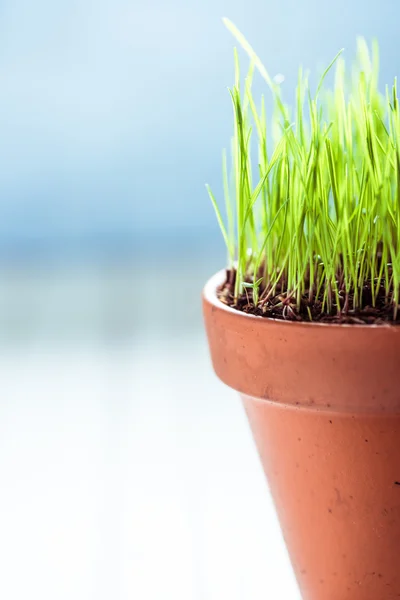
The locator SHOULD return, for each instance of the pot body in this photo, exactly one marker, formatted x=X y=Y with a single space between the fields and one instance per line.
x=334 y=479
x=323 y=402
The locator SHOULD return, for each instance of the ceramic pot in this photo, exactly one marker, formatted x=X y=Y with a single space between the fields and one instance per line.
x=323 y=402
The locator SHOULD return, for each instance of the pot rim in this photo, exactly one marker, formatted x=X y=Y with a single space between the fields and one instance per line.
x=210 y=295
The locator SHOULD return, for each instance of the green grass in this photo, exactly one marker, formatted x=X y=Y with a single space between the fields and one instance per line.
x=314 y=215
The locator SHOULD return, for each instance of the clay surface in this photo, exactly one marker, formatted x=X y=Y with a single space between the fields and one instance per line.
x=323 y=402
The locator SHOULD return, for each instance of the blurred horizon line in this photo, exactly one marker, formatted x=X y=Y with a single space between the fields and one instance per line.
x=119 y=245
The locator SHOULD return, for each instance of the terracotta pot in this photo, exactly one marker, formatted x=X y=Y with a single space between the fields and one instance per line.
x=323 y=403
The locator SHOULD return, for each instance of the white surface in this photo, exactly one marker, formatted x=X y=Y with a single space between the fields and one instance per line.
x=131 y=474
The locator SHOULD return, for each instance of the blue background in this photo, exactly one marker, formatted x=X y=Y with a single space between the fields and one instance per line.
x=113 y=114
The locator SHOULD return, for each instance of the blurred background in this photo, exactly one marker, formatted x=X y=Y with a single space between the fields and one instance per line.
x=127 y=470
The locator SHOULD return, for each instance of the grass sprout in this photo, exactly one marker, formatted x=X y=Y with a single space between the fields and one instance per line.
x=311 y=219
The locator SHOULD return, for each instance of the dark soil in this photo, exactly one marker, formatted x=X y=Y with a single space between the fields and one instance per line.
x=281 y=305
